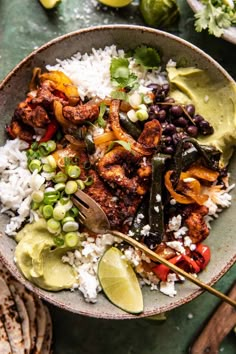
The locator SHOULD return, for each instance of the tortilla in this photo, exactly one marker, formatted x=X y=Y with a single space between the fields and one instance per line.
x=4 y=343
x=11 y=319
x=47 y=342
x=41 y=322
x=30 y=306
x=24 y=318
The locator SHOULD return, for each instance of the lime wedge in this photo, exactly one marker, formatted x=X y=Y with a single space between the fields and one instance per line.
x=115 y=3
x=49 y=4
x=119 y=281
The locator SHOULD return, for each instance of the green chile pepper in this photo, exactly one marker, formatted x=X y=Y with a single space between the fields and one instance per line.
x=88 y=139
x=156 y=208
x=130 y=127
x=209 y=155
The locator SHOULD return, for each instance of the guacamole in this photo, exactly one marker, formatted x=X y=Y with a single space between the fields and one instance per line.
x=40 y=261
x=215 y=100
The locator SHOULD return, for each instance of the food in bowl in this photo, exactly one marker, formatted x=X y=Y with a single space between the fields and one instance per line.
x=145 y=141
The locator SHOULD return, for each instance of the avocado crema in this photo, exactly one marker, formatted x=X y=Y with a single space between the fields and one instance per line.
x=214 y=99
x=40 y=261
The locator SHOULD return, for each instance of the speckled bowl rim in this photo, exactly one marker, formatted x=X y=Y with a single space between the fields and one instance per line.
x=229 y=33
x=37 y=290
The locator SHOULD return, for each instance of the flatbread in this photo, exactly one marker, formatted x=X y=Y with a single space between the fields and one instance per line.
x=30 y=305
x=41 y=321
x=4 y=343
x=10 y=318
x=47 y=341
x=24 y=318
x=31 y=319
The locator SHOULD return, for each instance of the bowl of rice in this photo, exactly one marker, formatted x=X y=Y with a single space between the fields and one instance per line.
x=109 y=110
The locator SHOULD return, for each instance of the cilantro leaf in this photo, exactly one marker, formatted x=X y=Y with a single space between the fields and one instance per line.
x=125 y=145
x=148 y=57
x=101 y=121
x=120 y=73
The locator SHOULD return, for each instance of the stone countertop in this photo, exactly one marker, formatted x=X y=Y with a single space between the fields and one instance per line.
x=24 y=26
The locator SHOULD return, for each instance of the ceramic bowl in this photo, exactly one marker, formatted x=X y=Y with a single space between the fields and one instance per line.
x=12 y=91
x=229 y=33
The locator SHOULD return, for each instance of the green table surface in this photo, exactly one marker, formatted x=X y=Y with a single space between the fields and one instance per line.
x=24 y=26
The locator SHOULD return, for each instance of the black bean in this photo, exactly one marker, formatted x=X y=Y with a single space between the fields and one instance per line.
x=168 y=150
x=160 y=93
x=161 y=116
x=153 y=111
x=176 y=110
x=205 y=128
x=197 y=119
x=190 y=109
x=178 y=136
x=170 y=129
x=167 y=140
x=168 y=100
x=192 y=130
x=181 y=122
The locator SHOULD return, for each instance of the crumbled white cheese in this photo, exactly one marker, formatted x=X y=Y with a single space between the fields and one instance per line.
x=168 y=288
x=158 y=198
x=132 y=256
x=175 y=223
x=181 y=232
x=156 y=208
x=88 y=284
x=177 y=246
x=139 y=218
x=145 y=230
x=188 y=243
x=173 y=201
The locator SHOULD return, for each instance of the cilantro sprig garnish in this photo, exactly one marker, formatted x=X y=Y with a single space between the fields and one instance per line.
x=148 y=57
x=121 y=76
x=215 y=16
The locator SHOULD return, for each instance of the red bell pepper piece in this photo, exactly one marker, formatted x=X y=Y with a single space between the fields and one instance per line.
x=202 y=255
x=185 y=262
x=162 y=270
x=50 y=131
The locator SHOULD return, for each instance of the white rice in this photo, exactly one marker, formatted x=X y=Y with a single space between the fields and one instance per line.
x=16 y=184
x=91 y=72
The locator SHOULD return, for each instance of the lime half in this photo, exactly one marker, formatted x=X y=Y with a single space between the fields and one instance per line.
x=119 y=281
x=115 y=3
x=49 y=4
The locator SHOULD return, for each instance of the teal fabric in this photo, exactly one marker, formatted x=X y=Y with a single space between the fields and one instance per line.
x=25 y=25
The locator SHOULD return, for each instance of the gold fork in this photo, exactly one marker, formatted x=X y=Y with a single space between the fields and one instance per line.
x=93 y=217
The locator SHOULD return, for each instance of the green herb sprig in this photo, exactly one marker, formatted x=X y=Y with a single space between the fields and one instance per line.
x=215 y=16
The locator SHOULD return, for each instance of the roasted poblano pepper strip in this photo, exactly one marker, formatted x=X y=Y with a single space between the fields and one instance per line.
x=183 y=159
x=130 y=127
x=155 y=210
x=88 y=139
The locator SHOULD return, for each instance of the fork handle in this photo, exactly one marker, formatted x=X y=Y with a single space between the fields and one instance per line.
x=173 y=267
